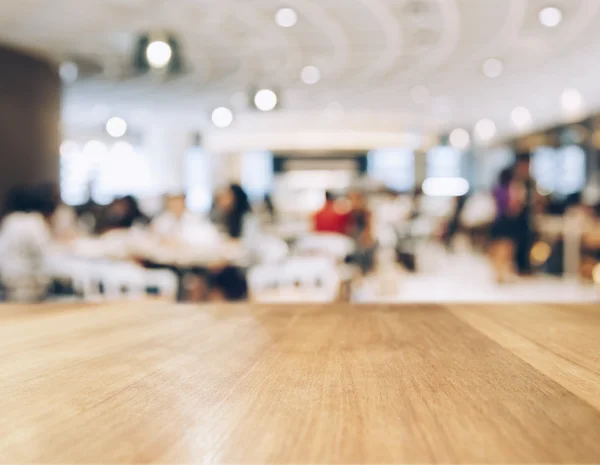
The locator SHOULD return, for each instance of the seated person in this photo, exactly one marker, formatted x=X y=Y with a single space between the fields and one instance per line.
x=124 y=213
x=360 y=228
x=25 y=240
x=331 y=218
x=173 y=222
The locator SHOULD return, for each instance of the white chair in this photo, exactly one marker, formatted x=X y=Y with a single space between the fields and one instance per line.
x=305 y=279
x=332 y=245
x=271 y=249
x=128 y=280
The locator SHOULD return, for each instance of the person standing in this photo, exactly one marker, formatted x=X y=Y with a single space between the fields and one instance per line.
x=360 y=228
x=505 y=228
x=25 y=240
x=330 y=218
x=525 y=190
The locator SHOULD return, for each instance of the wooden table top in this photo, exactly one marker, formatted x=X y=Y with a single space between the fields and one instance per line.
x=155 y=382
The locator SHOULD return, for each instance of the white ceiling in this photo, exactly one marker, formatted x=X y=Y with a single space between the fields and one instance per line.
x=370 y=53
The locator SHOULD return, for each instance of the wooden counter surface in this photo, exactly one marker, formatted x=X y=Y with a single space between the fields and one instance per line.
x=154 y=382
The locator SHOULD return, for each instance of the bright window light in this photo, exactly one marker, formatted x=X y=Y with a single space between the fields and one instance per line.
x=445 y=187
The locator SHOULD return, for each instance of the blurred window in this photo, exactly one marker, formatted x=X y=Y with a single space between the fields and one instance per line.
x=444 y=162
x=198 y=184
x=572 y=169
x=125 y=170
x=490 y=163
x=74 y=177
x=544 y=168
x=561 y=171
x=395 y=168
x=257 y=173
x=120 y=170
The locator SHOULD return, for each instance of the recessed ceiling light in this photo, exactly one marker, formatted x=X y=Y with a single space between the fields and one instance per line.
x=310 y=75
x=158 y=54
x=550 y=16
x=493 y=67
x=265 y=100
x=116 y=127
x=521 y=117
x=460 y=139
x=571 y=100
x=286 y=17
x=222 y=117
x=69 y=72
x=485 y=129
x=419 y=94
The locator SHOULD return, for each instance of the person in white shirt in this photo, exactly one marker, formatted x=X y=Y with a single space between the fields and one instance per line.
x=25 y=239
x=172 y=223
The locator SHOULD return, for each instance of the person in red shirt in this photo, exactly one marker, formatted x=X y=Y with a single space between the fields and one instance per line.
x=330 y=218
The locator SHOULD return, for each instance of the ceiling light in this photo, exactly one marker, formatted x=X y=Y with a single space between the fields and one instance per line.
x=485 y=129
x=116 y=127
x=286 y=17
x=222 y=117
x=265 y=100
x=310 y=75
x=459 y=139
x=445 y=187
x=550 y=16
x=158 y=54
x=493 y=67
x=521 y=117
x=419 y=94
x=69 y=72
x=571 y=100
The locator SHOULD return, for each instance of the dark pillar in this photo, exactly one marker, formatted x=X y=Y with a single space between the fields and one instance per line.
x=29 y=120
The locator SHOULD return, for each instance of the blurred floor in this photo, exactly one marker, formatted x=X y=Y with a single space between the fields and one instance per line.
x=466 y=276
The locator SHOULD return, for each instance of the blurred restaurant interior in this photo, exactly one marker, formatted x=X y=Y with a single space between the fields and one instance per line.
x=300 y=150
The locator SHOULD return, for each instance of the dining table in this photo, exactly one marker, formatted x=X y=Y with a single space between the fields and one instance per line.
x=156 y=382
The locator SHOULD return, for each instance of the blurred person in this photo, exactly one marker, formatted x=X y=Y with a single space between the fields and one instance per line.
x=269 y=208
x=63 y=222
x=172 y=223
x=416 y=200
x=360 y=228
x=453 y=224
x=236 y=213
x=331 y=218
x=25 y=240
x=527 y=201
x=238 y=221
x=505 y=230
x=124 y=213
x=216 y=214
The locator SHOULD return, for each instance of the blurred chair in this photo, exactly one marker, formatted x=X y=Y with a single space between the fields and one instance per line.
x=128 y=280
x=108 y=279
x=271 y=249
x=298 y=279
x=336 y=246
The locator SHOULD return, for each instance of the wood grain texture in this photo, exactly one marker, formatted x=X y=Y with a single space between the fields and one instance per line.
x=161 y=383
